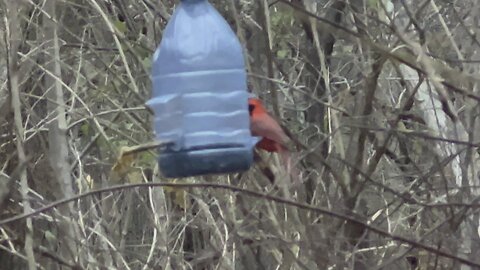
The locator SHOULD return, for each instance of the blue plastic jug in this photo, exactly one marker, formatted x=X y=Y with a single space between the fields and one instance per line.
x=200 y=97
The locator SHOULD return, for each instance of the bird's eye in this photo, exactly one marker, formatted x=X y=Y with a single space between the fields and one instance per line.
x=251 y=108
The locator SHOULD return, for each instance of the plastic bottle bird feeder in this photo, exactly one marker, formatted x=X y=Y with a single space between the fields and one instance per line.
x=200 y=97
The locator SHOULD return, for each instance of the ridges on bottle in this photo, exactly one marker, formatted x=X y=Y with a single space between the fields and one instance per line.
x=200 y=94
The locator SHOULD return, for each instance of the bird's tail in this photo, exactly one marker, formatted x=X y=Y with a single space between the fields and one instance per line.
x=289 y=161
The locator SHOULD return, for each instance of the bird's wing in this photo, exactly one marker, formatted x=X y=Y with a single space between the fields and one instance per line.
x=266 y=126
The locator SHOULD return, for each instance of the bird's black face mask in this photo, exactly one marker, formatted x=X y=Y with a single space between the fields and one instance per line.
x=251 y=108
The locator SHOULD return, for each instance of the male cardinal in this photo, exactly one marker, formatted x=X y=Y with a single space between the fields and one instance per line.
x=274 y=138
x=263 y=125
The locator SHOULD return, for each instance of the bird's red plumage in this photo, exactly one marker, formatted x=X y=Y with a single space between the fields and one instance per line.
x=262 y=124
x=274 y=138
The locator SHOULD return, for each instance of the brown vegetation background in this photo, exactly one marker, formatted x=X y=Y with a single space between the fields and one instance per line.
x=382 y=97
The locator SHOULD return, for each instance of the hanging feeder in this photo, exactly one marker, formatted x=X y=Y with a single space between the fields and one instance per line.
x=199 y=96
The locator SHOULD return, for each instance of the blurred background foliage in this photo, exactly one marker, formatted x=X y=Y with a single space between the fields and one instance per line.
x=380 y=96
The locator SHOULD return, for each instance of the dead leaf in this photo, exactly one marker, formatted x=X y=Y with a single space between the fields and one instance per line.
x=180 y=195
x=122 y=166
x=135 y=177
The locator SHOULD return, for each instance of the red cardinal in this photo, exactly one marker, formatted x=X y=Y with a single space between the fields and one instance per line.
x=274 y=138
x=263 y=125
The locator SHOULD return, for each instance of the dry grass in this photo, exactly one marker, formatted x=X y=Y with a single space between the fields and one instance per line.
x=383 y=107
